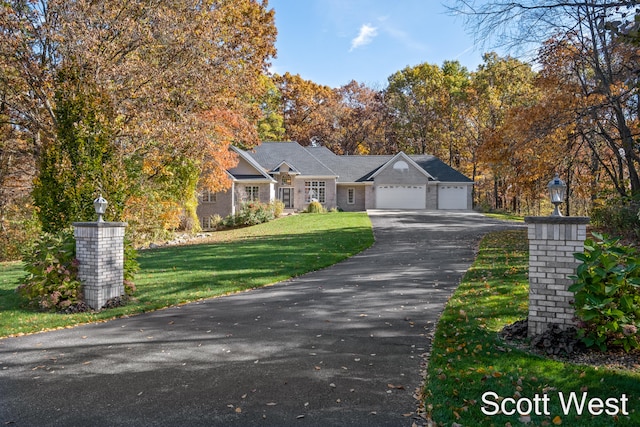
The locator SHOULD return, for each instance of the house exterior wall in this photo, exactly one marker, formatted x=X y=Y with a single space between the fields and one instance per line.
x=243 y=168
x=469 y=197
x=407 y=176
x=265 y=192
x=432 y=196
x=342 y=197
x=222 y=206
x=299 y=200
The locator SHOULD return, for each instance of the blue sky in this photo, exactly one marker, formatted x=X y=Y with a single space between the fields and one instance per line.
x=332 y=42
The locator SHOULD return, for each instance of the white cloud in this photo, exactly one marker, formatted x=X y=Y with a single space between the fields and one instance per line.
x=365 y=36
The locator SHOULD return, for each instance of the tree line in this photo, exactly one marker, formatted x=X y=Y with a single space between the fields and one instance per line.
x=139 y=100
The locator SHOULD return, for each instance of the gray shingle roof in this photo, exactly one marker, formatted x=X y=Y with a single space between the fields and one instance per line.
x=271 y=154
x=320 y=161
x=439 y=170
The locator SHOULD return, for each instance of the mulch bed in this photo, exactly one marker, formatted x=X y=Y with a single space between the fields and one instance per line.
x=564 y=345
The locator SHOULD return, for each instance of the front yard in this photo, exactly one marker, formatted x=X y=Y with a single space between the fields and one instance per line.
x=471 y=367
x=229 y=261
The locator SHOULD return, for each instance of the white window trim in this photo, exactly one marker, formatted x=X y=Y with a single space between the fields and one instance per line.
x=252 y=193
x=315 y=190
x=208 y=197
x=351 y=196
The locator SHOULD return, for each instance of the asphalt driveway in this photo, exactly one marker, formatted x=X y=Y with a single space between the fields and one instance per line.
x=345 y=346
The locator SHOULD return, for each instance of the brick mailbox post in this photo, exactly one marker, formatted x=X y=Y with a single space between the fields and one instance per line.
x=552 y=242
x=100 y=254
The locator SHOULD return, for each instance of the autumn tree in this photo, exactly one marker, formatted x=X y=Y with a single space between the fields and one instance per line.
x=501 y=86
x=360 y=120
x=414 y=99
x=308 y=110
x=605 y=66
x=175 y=84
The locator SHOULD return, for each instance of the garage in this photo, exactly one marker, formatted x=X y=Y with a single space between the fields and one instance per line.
x=452 y=196
x=401 y=196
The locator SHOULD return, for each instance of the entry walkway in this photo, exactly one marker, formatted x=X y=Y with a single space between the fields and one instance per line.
x=344 y=346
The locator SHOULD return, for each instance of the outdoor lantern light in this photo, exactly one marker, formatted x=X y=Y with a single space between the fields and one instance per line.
x=557 y=190
x=100 y=205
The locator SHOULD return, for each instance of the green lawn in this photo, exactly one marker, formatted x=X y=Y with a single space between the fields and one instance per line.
x=504 y=216
x=468 y=359
x=230 y=261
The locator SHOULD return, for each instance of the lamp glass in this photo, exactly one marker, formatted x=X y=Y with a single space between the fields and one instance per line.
x=557 y=191
x=100 y=206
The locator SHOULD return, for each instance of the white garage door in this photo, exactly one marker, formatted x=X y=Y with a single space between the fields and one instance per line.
x=452 y=197
x=401 y=196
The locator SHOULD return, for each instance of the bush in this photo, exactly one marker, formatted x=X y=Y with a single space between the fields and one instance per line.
x=19 y=227
x=52 y=280
x=251 y=213
x=315 y=207
x=607 y=293
x=618 y=216
x=130 y=266
x=277 y=206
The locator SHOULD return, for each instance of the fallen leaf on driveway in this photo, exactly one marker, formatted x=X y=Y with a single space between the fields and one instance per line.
x=397 y=387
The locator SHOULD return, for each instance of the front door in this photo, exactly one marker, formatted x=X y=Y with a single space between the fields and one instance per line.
x=286 y=196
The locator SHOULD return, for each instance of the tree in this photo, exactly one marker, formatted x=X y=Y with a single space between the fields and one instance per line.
x=415 y=98
x=501 y=85
x=604 y=64
x=360 y=124
x=308 y=110
x=175 y=83
x=271 y=125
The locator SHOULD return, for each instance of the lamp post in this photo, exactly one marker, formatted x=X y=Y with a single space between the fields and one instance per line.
x=557 y=191
x=100 y=205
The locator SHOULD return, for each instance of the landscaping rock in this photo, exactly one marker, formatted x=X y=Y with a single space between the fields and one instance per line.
x=80 y=307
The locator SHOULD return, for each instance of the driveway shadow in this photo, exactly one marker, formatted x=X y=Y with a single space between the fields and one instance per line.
x=343 y=346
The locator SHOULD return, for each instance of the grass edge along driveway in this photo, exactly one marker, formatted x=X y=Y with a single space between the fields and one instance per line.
x=230 y=261
x=468 y=359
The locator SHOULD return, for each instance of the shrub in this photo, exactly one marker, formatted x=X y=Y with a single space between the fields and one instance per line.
x=130 y=266
x=52 y=280
x=19 y=227
x=277 y=207
x=620 y=216
x=607 y=293
x=250 y=213
x=315 y=207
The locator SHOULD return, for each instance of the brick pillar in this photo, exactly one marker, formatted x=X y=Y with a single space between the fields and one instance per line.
x=100 y=254
x=552 y=242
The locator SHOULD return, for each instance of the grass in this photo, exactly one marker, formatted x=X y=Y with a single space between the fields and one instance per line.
x=504 y=216
x=468 y=359
x=230 y=261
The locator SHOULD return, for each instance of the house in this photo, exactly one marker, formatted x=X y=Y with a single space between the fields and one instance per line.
x=296 y=175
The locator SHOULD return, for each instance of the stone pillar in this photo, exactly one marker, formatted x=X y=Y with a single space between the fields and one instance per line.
x=552 y=242
x=100 y=254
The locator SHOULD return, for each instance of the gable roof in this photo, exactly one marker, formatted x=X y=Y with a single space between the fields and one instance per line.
x=405 y=157
x=440 y=170
x=272 y=154
x=260 y=173
x=320 y=161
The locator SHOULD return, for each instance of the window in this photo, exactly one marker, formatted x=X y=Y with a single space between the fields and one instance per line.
x=208 y=197
x=286 y=179
x=351 y=196
x=314 y=190
x=252 y=193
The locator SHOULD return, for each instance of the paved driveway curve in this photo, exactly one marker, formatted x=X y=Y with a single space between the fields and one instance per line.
x=339 y=347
